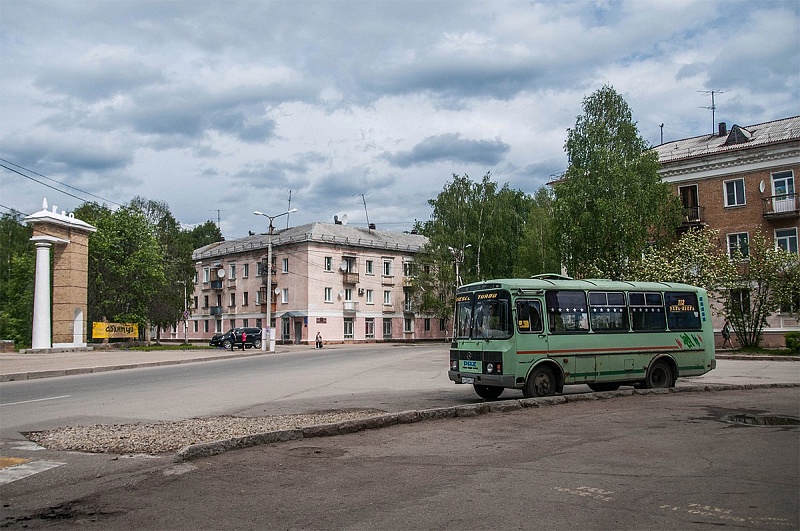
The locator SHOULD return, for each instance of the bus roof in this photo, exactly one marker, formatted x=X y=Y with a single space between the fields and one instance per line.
x=554 y=282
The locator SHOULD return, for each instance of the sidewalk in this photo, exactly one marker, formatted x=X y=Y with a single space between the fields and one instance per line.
x=29 y=366
x=15 y=366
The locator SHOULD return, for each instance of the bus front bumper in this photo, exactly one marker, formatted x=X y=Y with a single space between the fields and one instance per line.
x=500 y=380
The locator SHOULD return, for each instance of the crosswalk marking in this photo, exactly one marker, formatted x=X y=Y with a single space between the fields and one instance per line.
x=25 y=469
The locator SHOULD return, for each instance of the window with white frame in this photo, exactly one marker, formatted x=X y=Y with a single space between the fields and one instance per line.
x=233 y=300
x=369 y=328
x=370 y=267
x=285 y=265
x=196 y=277
x=205 y=326
x=328 y=263
x=245 y=298
x=231 y=271
x=387 y=327
x=195 y=326
x=387 y=297
x=387 y=267
x=408 y=268
x=370 y=297
x=218 y=326
x=738 y=242
x=348 y=295
x=786 y=239
x=206 y=274
x=348 y=328
x=328 y=294
x=408 y=325
x=285 y=295
x=734 y=193
x=245 y=270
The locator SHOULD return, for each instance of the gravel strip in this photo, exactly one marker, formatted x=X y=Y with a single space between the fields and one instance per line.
x=165 y=437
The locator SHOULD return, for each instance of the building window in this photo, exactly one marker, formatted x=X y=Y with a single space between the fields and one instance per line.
x=205 y=326
x=387 y=268
x=258 y=323
x=348 y=295
x=369 y=328
x=233 y=323
x=328 y=263
x=408 y=325
x=218 y=326
x=783 y=198
x=740 y=301
x=232 y=271
x=196 y=277
x=442 y=325
x=387 y=328
x=408 y=269
x=328 y=294
x=245 y=322
x=387 y=297
x=786 y=239
x=408 y=304
x=734 y=193
x=427 y=324
x=245 y=270
x=370 y=270
x=738 y=246
x=370 y=299
x=285 y=265
x=206 y=274
x=195 y=326
x=245 y=298
x=205 y=302
x=348 y=328
x=196 y=302
x=233 y=300
x=285 y=295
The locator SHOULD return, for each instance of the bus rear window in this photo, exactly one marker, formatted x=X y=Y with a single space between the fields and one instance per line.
x=682 y=311
x=566 y=311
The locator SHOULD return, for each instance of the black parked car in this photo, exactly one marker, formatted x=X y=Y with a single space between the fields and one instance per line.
x=233 y=337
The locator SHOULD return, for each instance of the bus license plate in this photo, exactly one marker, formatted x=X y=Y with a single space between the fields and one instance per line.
x=467 y=380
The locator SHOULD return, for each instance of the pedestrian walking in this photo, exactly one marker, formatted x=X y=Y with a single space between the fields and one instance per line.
x=318 y=341
x=726 y=335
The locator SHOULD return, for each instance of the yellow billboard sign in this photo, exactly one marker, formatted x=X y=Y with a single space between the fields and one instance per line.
x=102 y=330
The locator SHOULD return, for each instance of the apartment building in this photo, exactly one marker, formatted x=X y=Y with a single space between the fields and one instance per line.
x=739 y=181
x=349 y=283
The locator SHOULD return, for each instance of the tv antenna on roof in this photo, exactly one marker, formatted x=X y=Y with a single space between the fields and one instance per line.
x=363 y=200
x=713 y=107
x=217 y=210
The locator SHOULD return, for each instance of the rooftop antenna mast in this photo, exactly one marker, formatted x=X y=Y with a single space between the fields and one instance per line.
x=217 y=210
x=289 y=209
x=363 y=200
x=713 y=107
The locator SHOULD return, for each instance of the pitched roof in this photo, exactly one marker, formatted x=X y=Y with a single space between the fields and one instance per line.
x=348 y=235
x=739 y=137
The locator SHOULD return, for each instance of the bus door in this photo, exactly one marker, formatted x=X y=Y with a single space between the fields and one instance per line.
x=567 y=330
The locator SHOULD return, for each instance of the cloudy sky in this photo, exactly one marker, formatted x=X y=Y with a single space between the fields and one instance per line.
x=223 y=108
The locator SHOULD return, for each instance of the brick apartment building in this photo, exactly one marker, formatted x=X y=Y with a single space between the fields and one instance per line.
x=739 y=181
x=349 y=283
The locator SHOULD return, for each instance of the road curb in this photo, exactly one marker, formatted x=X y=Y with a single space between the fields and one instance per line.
x=195 y=451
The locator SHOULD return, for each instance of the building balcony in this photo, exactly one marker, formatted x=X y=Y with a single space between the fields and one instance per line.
x=781 y=206
x=349 y=307
x=216 y=284
x=216 y=310
x=349 y=277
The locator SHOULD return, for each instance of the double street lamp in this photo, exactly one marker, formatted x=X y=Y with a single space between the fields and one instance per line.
x=267 y=332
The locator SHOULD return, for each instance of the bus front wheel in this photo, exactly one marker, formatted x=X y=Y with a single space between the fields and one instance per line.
x=488 y=392
x=541 y=382
x=659 y=376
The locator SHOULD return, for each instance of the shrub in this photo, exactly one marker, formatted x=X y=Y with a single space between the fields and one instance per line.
x=793 y=342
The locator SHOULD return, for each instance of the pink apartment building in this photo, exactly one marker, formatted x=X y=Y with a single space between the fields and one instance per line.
x=739 y=181
x=349 y=283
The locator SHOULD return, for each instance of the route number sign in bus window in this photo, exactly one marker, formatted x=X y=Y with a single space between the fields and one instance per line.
x=682 y=311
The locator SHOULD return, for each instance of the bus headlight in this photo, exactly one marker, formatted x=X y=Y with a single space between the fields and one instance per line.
x=453 y=365
x=489 y=368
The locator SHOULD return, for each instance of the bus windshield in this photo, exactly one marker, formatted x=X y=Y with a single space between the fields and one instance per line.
x=484 y=316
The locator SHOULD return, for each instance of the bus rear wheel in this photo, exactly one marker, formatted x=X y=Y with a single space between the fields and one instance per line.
x=600 y=387
x=488 y=392
x=659 y=376
x=541 y=382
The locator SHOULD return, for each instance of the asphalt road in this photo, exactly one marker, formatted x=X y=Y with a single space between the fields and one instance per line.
x=82 y=488
x=671 y=461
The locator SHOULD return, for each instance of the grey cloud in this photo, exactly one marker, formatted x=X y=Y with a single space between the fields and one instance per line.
x=450 y=147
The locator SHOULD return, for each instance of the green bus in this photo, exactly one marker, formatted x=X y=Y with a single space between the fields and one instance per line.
x=548 y=331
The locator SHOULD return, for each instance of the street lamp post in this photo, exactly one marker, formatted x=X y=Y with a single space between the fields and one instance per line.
x=458 y=257
x=185 y=313
x=267 y=332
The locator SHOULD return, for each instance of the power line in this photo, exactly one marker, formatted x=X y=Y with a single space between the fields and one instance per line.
x=55 y=181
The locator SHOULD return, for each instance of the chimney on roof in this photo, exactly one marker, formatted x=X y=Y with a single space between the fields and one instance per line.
x=371 y=226
x=723 y=129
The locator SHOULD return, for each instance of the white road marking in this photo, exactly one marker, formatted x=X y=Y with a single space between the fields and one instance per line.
x=25 y=445
x=13 y=473
x=35 y=400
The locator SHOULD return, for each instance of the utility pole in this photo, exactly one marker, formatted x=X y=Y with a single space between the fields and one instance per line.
x=713 y=107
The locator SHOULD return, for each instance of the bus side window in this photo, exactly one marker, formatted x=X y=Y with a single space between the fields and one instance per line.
x=647 y=312
x=567 y=311
x=529 y=316
x=682 y=311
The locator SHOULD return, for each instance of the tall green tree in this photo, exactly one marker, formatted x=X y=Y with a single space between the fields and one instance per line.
x=538 y=248
x=204 y=234
x=17 y=264
x=611 y=202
